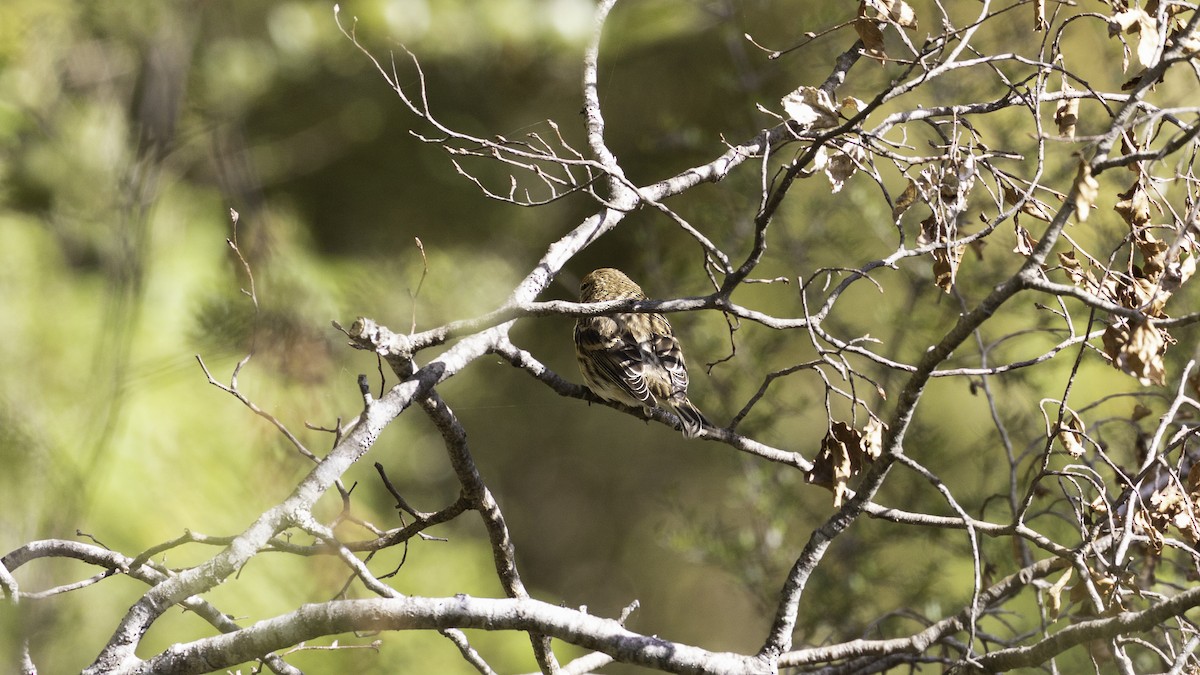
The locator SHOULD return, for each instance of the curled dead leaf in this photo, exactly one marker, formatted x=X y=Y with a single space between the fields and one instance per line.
x=1154 y=256
x=889 y=11
x=872 y=38
x=842 y=164
x=1193 y=482
x=1086 y=191
x=1149 y=39
x=901 y=13
x=855 y=105
x=1104 y=584
x=1070 y=435
x=1066 y=116
x=1178 y=271
x=811 y=108
x=1031 y=206
x=820 y=160
x=945 y=266
x=1137 y=293
x=845 y=452
x=873 y=438
x=1025 y=241
x=1170 y=507
x=1074 y=269
x=905 y=200
x=1124 y=21
x=1137 y=352
x=1142 y=23
x=1054 y=594
x=873 y=15
x=1153 y=526
x=946 y=258
x=1134 y=205
x=1189 y=43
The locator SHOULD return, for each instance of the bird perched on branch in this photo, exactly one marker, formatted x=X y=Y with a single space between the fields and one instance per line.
x=633 y=359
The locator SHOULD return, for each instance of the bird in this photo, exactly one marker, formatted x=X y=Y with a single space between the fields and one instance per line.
x=632 y=359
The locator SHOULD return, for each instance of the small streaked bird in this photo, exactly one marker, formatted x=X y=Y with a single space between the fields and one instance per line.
x=633 y=359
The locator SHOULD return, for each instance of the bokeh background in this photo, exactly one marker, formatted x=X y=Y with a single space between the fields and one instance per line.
x=129 y=130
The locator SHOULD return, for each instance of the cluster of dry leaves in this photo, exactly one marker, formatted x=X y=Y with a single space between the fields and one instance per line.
x=874 y=16
x=1171 y=505
x=1128 y=285
x=1166 y=502
x=1133 y=342
x=1152 y=37
x=1134 y=282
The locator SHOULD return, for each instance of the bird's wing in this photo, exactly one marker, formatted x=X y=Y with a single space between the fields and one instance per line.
x=665 y=350
x=616 y=352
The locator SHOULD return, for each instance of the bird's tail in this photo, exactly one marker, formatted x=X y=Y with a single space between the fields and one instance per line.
x=690 y=416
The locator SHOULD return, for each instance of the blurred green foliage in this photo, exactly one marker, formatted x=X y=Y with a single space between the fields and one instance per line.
x=127 y=132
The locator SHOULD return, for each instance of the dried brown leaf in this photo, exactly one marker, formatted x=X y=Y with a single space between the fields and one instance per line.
x=1174 y=12
x=905 y=200
x=889 y=11
x=1137 y=352
x=1104 y=584
x=1079 y=276
x=1066 y=116
x=841 y=165
x=872 y=37
x=1134 y=205
x=1031 y=206
x=1154 y=256
x=811 y=108
x=945 y=267
x=1054 y=594
x=1149 y=39
x=873 y=15
x=855 y=105
x=1171 y=507
x=1086 y=191
x=820 y=161
x=1125 y=21
x=946 y=258
x=1132 y=82
x=1145 y=25
x=1177 y=272
x=901 y=13
x=1189 y=43
x=1025 y=242
x=845 y=452
x=1137 y=293
x=873 y=438
x=1070 y=435
x=1152 y=526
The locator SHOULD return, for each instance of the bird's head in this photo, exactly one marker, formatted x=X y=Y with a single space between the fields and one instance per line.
x=608 y=283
